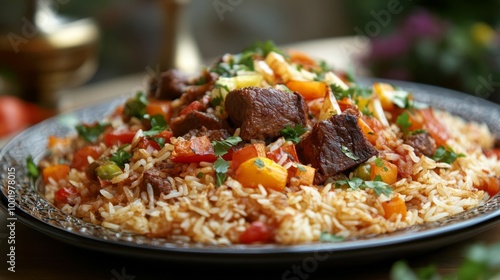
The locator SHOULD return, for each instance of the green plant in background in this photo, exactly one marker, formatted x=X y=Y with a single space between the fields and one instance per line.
x=441 y=43
x=482 y=261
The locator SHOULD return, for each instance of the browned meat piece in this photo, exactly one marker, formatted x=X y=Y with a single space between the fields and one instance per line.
x=423 y=144
x=262 y=113
x=195 y=120
x=169 y=85
x=157 y=179
x=213 y=135
x=334 y=146
x=196 y=91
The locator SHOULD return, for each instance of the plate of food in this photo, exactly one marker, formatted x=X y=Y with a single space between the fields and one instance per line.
x=266 y=156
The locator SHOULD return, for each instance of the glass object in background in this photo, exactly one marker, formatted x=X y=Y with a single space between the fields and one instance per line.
x=179 y=47
x=42 y=52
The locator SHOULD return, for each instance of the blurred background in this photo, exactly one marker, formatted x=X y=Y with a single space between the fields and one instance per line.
x=51 y=48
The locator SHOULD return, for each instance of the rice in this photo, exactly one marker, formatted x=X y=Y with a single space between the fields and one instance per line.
x=189 y=205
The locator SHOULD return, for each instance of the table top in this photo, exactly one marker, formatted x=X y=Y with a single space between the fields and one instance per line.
x=38 y=256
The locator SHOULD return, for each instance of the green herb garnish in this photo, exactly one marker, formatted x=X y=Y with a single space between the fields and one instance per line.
x=404 y=123
x=33 y=170
x=136 y=107
x=293 y=133
x=348 y=153
x=120 y=157
x=259 y=163
x=359 y=184
x=158 y=124
x=446 y=155
x=221 y=165
x=91 y=132
x=223 y=146
x=330 y=237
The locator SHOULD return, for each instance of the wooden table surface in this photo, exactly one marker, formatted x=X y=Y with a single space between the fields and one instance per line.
x=38 y=256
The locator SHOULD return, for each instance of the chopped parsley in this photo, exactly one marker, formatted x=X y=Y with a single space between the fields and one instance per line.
x=330 y=237
x=223 y=146
x=158 y=124
x=221 y=165
x=404 y=123
x=136 y=107
x=259 y=163
x=359 y=184
x=348 y=153
x=120 y=157
x=402 y=99
x=293 y=133
x=33 y=170
x=446 y=154
x=91 y=132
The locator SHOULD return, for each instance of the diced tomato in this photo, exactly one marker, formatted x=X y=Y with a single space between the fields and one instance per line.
x=119 y=137
x=434 y=127
x=165 y=134
x=148 y=145
x=193 y=106
x=62 y=195
x=257 y=232
x=159 y=107
x=247 y=152
x=491 y=185
x=284 y=151
x=492 y=153
x=80 y=158
x=303 y=59
x=196 y=149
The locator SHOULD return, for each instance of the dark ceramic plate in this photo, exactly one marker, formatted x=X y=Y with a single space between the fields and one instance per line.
x=34 y=211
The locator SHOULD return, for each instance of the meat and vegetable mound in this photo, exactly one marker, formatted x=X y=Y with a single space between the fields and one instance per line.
x=270 y=146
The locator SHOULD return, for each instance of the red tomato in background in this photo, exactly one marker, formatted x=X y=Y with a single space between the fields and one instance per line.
x=13 y=115
x=16 y=114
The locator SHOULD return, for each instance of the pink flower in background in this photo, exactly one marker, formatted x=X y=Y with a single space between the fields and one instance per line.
x=421 y=23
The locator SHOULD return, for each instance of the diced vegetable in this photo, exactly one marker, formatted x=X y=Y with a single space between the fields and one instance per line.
x=491 y=185
x=159 y=107
x=148 y=144
x=385 y=93
x=55 y=141
x=257 y=232
x=62 y=195
x=91 y=132
x=262 y=171
x=393 y=207
x=308 y=89
x=363 y=171
x=81 y=157
x=434 y=127
x=56 y=172
x=367 y=131
x=196 y=149
x=119 y=137
x=287 y=151
x=193 y=106
x=108 y=171
x=330 y=107
x=304 y=173
x=249 y=151
x=384 y=170
x=493 y=153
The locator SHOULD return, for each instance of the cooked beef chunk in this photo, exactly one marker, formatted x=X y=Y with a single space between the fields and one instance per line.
x=262 y=113
x=213 y=135
x=334 y=146
x=195 y=120
x=423 y=144
x=157 y=179
x=169 y=85
x=196 y=91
